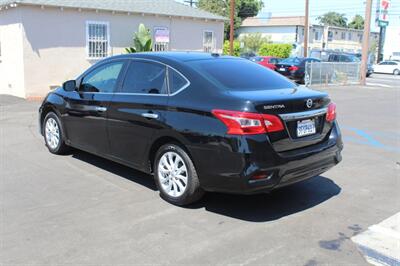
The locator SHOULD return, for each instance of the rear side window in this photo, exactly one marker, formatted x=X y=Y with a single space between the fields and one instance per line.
x=103 y=79
x=240 y=74
x=274 y=60
x=176 y=81
x=145 y=78
x=291 y=61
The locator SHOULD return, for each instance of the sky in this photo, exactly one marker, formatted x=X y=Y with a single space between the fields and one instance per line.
x=319 y=7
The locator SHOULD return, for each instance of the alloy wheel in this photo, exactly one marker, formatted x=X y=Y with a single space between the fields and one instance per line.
x=52 y=132
x=172 y=174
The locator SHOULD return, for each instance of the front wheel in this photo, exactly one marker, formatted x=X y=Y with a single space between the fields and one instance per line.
x=396 y=72
x=53 y=134
x=176 y=176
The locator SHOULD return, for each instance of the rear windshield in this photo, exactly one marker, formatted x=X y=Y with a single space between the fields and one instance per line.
x=241 y=74
x=291 y=60
x=256 y=59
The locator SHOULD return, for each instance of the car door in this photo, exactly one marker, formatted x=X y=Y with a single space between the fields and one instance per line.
x=137 y=110
x=381 y=67
x=391 y=67
x=87 y=108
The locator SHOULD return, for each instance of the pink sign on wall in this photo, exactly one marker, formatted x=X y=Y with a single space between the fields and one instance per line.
x=161 y=34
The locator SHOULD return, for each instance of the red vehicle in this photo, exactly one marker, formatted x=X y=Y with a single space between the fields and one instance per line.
x=267 y=61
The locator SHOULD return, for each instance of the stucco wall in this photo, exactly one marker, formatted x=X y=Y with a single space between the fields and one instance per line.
x=279 y=34
x=11 y=60
x=55 y=40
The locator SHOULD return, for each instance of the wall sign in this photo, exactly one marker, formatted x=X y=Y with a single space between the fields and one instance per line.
x=161 y=34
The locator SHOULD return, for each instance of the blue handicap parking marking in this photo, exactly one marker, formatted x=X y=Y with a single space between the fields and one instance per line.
x=372 y=139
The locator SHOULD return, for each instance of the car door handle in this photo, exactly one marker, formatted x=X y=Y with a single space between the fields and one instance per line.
x=150 y=115
x=101 y=109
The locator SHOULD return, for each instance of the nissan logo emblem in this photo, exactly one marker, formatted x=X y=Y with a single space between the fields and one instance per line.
x=309 y=103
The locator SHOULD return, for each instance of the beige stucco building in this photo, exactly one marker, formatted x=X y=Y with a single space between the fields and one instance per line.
x=45 y=42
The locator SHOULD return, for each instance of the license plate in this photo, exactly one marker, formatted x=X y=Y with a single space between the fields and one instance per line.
x=305 y=128
x=282 y=69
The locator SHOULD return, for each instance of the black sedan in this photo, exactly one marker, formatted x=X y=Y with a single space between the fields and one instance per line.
x=197 y=122
x=294 y=67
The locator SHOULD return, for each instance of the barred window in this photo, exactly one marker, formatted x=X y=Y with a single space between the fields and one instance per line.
x=160 y=46
x=97 y=39
x=208 y=41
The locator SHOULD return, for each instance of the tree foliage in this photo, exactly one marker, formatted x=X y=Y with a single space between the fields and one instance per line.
x=243 y=9
x=141 y=41
x=252 y=42
x=333 y=19
x=357 y=23
x=281 y=50
x=249 y=8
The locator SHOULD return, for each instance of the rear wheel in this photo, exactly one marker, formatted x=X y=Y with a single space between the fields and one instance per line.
x=53 y=134
x=396 y=72
x=176 y=176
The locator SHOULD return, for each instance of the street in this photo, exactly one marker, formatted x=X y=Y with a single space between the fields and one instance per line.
x=383 y=80
x=80 y=209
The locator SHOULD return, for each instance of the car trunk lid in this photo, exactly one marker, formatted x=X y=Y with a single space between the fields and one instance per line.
x=301 y=110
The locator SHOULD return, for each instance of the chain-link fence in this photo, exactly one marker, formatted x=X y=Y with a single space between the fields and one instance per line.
x=330 y=73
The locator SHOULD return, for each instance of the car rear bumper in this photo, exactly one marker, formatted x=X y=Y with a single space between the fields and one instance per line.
x=232 y=171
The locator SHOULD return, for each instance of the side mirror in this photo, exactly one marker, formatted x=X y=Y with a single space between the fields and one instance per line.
x=69 y=85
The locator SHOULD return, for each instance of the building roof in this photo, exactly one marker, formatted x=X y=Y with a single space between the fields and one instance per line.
x=159 y=7
x=273 y=21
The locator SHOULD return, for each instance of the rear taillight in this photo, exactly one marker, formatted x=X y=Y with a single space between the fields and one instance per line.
x=331 y=113
x=293 y=68
x=244 y=123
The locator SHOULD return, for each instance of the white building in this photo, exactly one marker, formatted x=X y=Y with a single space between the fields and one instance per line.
x=391 y=49
x=291 y=30
x=45 y=42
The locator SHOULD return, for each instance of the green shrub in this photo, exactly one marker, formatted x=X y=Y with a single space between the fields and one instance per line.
x=141 y=41
x=236 y=48
x=282 y=50
x=253 y=41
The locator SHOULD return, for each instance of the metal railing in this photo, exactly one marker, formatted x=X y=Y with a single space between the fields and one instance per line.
x=332 y=73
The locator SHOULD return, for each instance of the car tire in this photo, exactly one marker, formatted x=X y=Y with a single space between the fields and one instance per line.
x=53 y=134
x=176 y=176
x=396 y=72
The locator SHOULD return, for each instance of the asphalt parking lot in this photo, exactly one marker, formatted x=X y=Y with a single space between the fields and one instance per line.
x=80 y=209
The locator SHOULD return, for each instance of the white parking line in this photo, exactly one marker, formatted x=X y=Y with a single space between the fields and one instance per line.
x=379 y=85
x=380 y=244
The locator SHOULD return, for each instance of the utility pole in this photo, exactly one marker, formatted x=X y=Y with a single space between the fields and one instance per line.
x=232 y=24
x=190 y=2
x=365 y=44
x=306 y=27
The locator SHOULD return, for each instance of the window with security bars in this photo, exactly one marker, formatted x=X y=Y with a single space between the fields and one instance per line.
x=160 y=46
x=97 y=39
x=208 y=41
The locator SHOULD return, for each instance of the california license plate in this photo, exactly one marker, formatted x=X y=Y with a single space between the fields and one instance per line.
x=282 y=69
x=305 y=128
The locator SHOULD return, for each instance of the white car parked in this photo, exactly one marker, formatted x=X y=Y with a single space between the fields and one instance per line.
x=391 y=67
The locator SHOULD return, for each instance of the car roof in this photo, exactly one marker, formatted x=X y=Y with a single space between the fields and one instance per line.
x=176 y=56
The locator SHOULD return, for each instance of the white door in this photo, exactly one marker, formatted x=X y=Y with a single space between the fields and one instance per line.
x=381 y=67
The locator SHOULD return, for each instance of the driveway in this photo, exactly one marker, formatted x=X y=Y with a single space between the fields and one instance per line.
x=80 y=209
